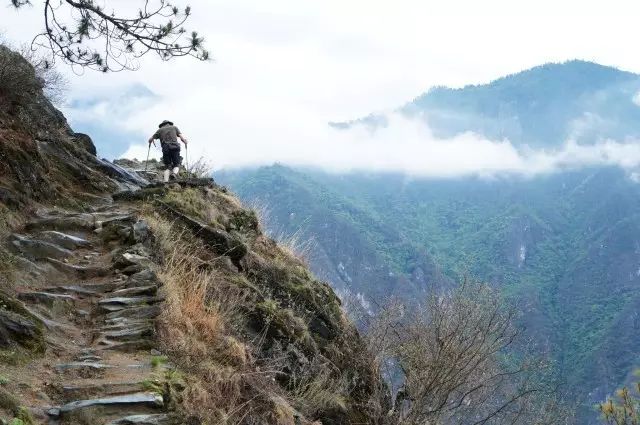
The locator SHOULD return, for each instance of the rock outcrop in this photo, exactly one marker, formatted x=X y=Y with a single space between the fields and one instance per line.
x=86 y=298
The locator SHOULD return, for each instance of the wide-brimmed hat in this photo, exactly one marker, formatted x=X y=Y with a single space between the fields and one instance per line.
x=165 y=122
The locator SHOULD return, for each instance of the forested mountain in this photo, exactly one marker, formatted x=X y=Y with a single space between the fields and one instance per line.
x=564 y=246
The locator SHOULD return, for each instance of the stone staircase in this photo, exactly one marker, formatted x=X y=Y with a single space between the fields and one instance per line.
x=91 y=284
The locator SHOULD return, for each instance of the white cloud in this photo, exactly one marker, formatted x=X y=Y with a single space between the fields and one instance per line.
x=285 y=68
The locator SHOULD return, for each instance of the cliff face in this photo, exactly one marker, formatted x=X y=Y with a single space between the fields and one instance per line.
x=170 y=305
x=41 y=158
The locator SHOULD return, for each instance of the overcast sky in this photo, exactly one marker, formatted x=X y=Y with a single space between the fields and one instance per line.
x=285 y=68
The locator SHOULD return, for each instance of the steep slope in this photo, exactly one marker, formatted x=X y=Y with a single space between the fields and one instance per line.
x=124 y=302
x=366 y=257
x=562 y=246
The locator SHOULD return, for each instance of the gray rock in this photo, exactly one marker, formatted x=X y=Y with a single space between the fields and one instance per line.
x=37 y=249
x=64 y=240
x=124 y=323
x=123 y=302
x=127 y=346
x=46 y=298
x=63 y=222
x=88 y=358
x=83 y=272
x=80 y=290
x=72 y=392
x=82 y=365
x=18 y=329
x=139 y=399
x=141 y=312
x=139 y=290
x=84 y=141
x=144 y=420
x=141 y=231
x=133 y=334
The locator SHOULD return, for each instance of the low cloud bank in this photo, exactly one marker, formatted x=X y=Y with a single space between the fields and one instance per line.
x=404 y=146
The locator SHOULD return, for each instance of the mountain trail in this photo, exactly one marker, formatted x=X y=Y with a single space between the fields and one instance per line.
x=98 y=298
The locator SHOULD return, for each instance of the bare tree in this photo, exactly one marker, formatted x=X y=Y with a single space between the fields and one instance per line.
x=54 y=84
x=87 y=34
x=453 y=361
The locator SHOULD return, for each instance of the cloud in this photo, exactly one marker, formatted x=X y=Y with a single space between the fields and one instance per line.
x=404 y=145
x=285 y=68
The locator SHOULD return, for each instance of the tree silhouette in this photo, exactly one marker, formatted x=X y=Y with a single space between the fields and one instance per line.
x=87 y=34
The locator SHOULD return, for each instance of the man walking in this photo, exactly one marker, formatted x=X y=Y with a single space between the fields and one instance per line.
x=168 y=135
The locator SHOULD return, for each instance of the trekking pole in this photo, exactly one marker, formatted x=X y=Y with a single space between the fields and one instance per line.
x=146 y=164
x=186 y=150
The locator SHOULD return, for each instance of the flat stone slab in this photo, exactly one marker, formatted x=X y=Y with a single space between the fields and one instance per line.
x=127 y=346
x=144 y=420
x=64 y=240
x=80 y=290
x=150 y=290
x=82 y=365
x=145 y=277
x=128 y=301
x=133 y=334
x=124 y=323
x=141 y=312
x=46 y=298
x=37 y=249
x=145 y=399
x=103 y=389
x=63 y=222
x=84 y=272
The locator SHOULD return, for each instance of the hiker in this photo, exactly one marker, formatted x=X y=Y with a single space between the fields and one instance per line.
x=168 y=135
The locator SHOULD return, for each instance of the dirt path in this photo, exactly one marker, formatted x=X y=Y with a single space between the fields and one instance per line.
x=87 y=277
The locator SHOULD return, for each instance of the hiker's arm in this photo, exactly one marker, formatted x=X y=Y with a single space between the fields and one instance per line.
x=184 y=139
x=151 y=139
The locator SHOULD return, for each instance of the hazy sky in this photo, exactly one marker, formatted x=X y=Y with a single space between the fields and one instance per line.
x=284 y=68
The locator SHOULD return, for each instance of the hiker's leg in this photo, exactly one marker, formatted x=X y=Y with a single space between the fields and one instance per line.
x=167 y=160
x=175 y=161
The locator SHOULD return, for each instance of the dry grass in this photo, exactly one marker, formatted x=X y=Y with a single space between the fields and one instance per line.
x=296 y=245
x=200 y=168
x=317 y=389
x=198 y=323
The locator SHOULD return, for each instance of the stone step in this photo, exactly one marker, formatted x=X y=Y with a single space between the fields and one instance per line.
x=123 y=323
x=158 y=419
x=120 y=303
x=127 y=346
x=86 y=370
x=129 y=334
x=145 y=277
x=139 y=312
x=102 y=389
x=147 y=399
x=88 y=365
x=46 y=298
x=75 y=289
x=63 y=222
x=83 y=272
x=139 y=290
x=64 y=240
x=88 y=358
x=37 y=249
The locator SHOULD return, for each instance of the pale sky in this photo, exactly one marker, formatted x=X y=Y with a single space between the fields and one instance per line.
x=285 y=68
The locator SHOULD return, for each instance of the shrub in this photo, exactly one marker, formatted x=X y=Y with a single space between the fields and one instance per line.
x=18 y=80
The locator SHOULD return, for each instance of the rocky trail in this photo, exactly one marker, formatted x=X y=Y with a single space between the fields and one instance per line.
x=91 y=285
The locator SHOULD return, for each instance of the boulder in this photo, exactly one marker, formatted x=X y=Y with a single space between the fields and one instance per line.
x=18 y=326
x=37 y=249
x=86 y=142
x=64 y=240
